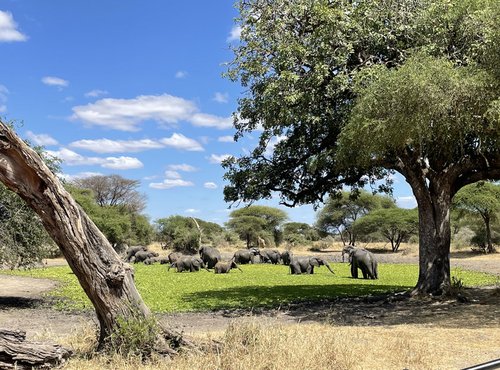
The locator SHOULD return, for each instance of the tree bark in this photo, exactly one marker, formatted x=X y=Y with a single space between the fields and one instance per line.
x=17 y=353
x=434 y=245
x=107 y=281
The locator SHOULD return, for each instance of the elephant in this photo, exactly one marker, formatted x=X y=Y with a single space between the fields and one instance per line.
x=141 y=256
x=172 y=257
x=362 y=259
x=305 y=265
x=225 y=267
x=210 y=256
x=287 y=257
x=131 y=251
x=270 y=255
x=188 y=263
x=163 y=260
x=244 y=256
x=151 y=260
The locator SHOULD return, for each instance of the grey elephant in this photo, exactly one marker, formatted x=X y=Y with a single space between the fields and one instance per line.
x=188 y=263
x=362 y=259
x=163 y=260
x=270 y=256
x=173 y=256
x=151 y=260
x=131 y=251
x=210 y=256
x=225 y=267
x=287 y=257
x=305 y=265
x=141 y=256
x=244 y=256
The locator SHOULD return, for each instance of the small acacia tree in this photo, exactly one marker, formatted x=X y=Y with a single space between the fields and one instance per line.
x=341 y=212
x=396 y=225
x=254 y=222
x=481 y=199
x=356 y=90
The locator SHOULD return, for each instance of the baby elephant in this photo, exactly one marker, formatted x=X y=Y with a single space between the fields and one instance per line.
x=225 y=267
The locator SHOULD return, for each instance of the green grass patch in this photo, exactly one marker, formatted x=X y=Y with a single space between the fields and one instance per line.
x=257 y=285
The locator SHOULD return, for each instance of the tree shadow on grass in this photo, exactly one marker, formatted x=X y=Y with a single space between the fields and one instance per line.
x=250 y=297
x=372 y=305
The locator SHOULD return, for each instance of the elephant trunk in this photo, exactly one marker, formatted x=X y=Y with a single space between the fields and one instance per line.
x=329 y=268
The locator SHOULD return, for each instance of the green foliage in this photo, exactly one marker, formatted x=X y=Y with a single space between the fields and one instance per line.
x=182 y=234
x=253 y=222
x=119 y=224
x=429 y=103
x=23 y=239
x=299 y=233
x=134 y=335
x=481 y=201
x=258 y=285
x=395 y=224
x=343 y=209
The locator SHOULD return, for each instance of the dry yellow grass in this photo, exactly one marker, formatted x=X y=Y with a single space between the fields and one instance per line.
x=252 y=345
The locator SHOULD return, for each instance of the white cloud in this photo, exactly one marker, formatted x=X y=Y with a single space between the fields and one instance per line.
x=182 y=167
x=210 y=185
x=41 y=139
x=126 y=114
x=192 y=210
x=406 y=201
x=179 y=141
x=170 y=183
x=122 y=163
x=72 y=158
x=226 y=139
x=235 y=34
x=95 y=93
x=221 y=97
x=217 y=159
x=116 y=146
x=8 y=29
x=55 y=81
x=3 y=98
x=209 y=120
x=80 y=175
x=181 y=74
x=169 y=174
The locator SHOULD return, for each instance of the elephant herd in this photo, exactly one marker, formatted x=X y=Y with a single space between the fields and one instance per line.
x=210 y=258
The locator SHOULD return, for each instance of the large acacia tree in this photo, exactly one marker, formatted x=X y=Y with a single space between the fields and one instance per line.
x=356 y=90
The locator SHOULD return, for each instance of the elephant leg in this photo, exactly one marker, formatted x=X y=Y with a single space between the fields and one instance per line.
x=354 y=269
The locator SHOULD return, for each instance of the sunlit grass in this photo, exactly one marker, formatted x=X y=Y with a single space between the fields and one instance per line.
x=258 y=285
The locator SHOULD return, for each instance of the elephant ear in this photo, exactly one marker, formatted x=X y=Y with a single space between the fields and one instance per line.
x=313 y=261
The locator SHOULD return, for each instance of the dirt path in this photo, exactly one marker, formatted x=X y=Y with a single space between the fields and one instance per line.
x=23 y=306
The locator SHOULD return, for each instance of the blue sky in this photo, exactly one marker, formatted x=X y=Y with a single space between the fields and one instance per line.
x=132 y=88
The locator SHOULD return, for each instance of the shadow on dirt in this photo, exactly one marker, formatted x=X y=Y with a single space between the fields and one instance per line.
x=472 y=308
x=20 y=302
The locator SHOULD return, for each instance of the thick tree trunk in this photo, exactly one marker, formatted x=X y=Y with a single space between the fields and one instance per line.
x=107 y=281
x=434 y=241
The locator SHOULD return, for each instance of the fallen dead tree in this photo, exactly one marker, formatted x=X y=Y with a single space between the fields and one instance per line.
x=17 y=353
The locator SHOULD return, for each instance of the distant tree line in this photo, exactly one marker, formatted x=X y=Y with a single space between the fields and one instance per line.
x=115 y=205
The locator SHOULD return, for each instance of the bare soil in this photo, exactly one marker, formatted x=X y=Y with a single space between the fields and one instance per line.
x=23 y=305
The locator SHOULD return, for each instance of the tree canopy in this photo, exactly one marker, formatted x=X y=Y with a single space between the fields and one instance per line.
x=481 y=199
x=257 y=221
x=348 y=92
x=341 y=212
x=397 y=225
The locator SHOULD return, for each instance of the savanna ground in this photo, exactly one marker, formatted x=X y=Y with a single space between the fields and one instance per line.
x=375 y=332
